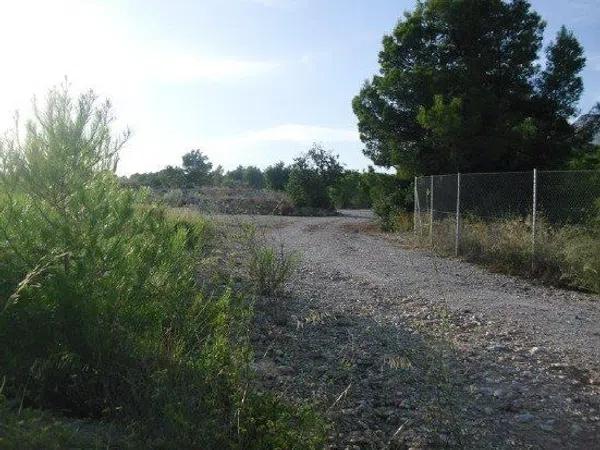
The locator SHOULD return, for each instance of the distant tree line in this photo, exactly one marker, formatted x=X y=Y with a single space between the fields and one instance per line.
x=315 y=179
x=196 y=171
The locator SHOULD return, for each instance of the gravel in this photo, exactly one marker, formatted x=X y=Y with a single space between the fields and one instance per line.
x=400 y=348
x=555 y=319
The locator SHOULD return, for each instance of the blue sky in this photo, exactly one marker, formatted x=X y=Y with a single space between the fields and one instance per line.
x=246 y=81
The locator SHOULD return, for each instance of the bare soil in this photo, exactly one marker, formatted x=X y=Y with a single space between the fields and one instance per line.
x=399 y=348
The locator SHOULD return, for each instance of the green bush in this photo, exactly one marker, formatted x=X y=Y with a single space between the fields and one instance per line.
x=350 y=191
x=277 y=175
x=174 y=198
x=306 y=188
x=311 y=177
x=100 y=314
x=31 y=429
x=254 y=177
x=581 y=254
x=391 y=198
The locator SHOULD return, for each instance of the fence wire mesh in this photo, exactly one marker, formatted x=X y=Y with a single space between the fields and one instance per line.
x=487 y=212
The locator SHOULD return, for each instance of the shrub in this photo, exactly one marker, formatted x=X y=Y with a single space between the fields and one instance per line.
x=100 y=315
x=196 y=167
x=174 y=198
x=391 y=197
x=311 y=177
x=31 y=429
x=270 y=268
x=504 y=245
x=582 y=254
x=307 y=189
x=254 y=177
x=350 y=192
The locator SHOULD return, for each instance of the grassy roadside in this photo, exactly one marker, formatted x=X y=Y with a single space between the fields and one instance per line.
x=565 y=256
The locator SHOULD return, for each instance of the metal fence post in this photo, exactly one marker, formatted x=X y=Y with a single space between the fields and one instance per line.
x=533 y=220
x=457 y=243
x=416 y=199
x=431 y=212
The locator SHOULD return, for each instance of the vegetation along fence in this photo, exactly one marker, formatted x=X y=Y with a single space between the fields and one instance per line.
x=512 y=214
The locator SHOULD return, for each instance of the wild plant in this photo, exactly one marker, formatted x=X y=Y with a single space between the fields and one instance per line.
x=100 y=312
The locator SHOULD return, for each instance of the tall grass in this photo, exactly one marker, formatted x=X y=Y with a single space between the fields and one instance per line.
x=567 y=255
x=270 y=268
x=100 y=313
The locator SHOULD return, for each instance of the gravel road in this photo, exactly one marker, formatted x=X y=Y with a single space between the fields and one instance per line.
x=555 y=319
x=412 y=350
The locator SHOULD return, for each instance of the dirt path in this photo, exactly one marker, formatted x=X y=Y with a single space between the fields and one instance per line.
x=403 y=349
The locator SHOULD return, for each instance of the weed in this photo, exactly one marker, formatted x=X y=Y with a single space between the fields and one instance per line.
x=174 y=198
x=564 y=255
x=270 y=268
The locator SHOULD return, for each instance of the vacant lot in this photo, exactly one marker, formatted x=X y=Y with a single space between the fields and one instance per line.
x=401 y=348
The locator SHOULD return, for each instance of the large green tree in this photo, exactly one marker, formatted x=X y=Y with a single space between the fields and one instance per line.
x=460 y=88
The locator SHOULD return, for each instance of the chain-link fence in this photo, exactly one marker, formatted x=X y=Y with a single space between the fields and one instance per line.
x=489 y=212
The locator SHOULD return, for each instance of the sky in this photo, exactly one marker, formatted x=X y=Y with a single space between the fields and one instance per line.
x=245 y=81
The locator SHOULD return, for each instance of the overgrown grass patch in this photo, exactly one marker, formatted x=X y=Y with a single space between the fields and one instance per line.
x=567 y=255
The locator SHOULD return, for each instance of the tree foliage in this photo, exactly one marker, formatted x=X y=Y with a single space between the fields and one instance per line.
x=277 y=176
x=254 y=178
x=587 y=157
x=197 y=168
x=350 y=191
x=311 y=176
x=460 y=89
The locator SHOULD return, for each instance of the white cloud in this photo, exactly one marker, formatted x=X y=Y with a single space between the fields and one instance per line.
x=258 y=147
x=312 y=58
x=296 y=133
x=85 y=41
x=188 y=68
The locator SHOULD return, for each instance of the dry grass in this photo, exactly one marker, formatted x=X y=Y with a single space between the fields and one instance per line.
x=566 y=256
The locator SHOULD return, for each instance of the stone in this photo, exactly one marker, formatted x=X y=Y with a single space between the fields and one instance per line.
x=559 y=366
x=286 y=370
x=524 y=417
x=575 y=429
x=497 y=348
